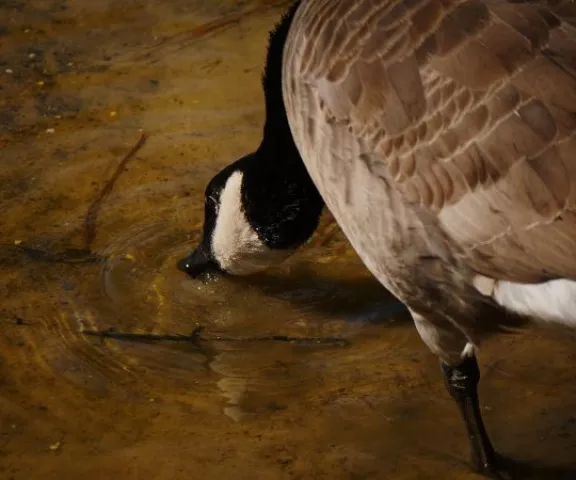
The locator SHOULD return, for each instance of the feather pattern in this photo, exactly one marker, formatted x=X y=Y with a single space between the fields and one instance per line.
x=457 y=119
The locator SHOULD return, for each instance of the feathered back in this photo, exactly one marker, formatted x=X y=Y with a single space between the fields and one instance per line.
x=468 y=108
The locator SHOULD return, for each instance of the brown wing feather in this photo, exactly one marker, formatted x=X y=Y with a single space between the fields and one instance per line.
x=471 y=105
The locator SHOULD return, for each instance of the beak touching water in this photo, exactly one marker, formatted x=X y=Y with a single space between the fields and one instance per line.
x=197 y=263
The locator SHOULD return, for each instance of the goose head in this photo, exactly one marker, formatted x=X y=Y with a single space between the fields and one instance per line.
x=254 y=217
x=261 y=208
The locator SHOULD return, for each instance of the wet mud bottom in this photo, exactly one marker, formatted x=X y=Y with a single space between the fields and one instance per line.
x=86 y=244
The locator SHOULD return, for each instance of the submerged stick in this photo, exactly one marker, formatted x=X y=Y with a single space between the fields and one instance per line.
x=85 y=254
x=213 y=26
x=94 y=208
x=196 y=337
x=69 y=255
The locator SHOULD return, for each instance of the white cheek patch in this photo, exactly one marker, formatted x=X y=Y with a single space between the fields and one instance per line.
x=235 y=244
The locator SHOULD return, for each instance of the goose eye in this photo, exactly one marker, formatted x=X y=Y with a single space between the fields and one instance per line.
x=213 y=202
x=210 y=200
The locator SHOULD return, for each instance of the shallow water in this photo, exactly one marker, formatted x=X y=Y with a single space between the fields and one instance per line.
x=79 y=83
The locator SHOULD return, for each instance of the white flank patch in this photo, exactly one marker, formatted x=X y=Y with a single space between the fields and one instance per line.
x=553 y=301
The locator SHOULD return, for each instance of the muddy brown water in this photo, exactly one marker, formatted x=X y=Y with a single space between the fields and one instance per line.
x=79 y=83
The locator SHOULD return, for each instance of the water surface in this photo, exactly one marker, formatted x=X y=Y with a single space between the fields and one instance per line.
x=80 y=82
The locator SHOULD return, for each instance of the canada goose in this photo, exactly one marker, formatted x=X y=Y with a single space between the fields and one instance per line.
x=441 y=134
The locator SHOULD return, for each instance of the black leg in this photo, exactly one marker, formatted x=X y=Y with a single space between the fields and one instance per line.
x=462 y=383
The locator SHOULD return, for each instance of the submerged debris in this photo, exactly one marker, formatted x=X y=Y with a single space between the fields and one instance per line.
x=196 y=337
x=55 y=446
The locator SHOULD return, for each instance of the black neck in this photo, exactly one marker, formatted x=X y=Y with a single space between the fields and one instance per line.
x=279 y=196
x=277 y=135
